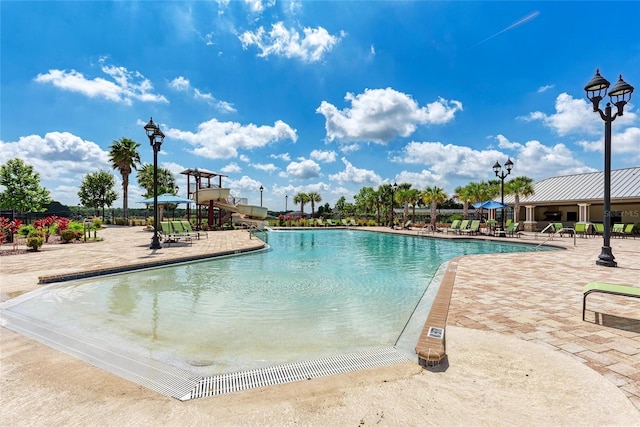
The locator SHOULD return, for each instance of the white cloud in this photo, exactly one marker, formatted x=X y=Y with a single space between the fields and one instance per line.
x=625 y=142
x=266 y=167
x=323 y=156
x=380 y=115
x=545 y=88
x=283 y=156
x=223 y=140
x=125 y=86
x=231 y=168
x=351 y=174
x=421 y=179
x=180 y=83
x=61 y=159
x=504 y=143
x=288 y=43
x=183 y=84
x=304 y=169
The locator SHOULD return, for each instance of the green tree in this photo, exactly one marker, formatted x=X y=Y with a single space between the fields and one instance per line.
x=22 y=190
x=519 y=186
x=433 y=195
x=303 y=199
x=124 y=157
x=166 y=180
x=464 y=195
x=96 y=190
x=414 y=200
x=383 y=202
x=314 y=198
x=365 y=200
x=403 y=196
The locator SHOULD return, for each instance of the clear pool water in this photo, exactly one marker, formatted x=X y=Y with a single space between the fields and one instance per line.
x=314 y=294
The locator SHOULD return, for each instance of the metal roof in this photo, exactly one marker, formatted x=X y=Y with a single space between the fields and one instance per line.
x=625 y=186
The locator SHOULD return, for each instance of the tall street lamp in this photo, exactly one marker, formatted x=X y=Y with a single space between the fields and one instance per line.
x=155 y=139
x=497 y=168
x=286 y=199
x=620 y=94
x=261 y=190
x=196 y=174
x=393 y=193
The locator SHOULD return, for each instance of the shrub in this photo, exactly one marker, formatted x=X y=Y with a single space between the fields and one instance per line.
x=35 y=240
x=25 y=230
x=97 y=222
x=69 y=235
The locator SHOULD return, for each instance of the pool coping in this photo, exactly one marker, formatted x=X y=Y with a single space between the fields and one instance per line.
x=55 y=278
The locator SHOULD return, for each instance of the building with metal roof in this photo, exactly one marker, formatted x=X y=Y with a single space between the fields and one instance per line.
x=580 y=198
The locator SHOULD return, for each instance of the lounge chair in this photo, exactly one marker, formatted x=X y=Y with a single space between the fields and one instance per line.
x=170 y=235
x=352 y=223
x=185 y=227
x=455 y=226
x=331 y=223
x=512 y=229
x=407 y=225
x=599 y=228
x=474 y=228
x=617 y=230
x=628 y=231
x=463 y=226
x=580 y=229
x=320 y=223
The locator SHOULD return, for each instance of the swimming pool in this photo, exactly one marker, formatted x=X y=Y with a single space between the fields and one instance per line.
x=315 y=294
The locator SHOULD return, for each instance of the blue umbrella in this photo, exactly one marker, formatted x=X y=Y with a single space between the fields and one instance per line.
x=492 y=204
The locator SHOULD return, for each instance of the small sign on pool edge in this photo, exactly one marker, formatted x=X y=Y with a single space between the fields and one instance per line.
x=436 y=332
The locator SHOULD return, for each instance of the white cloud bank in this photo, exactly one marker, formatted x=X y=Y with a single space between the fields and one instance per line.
x=380 y=115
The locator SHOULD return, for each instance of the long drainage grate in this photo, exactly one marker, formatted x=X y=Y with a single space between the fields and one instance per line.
x=299 y=371
x=184 y=385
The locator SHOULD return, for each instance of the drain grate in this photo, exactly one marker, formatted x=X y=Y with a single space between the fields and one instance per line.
x=299 y=371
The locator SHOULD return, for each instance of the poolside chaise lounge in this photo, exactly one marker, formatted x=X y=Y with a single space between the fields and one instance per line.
x=628 y=231
x=474 y=227
x=463 y=226
x=455 y=226
x=512 y=229
x=184 y=227
x=608 y=288
x=617 y=230
x=170 y=235
x=407 y=225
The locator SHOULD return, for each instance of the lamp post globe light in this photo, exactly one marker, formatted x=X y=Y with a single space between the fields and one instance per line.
x=261 y=190
x=497 y=168
x=286 y=200
x=156 y=137
x=620 y=95
x=393 y=193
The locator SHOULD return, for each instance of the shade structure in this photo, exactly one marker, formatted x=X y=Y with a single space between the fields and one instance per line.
x=167 y=198
x=492 y=204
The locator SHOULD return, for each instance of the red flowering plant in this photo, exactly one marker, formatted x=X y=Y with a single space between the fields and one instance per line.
x=48 y=225
x=288 y=217
x=281 y=219
x=8 y=227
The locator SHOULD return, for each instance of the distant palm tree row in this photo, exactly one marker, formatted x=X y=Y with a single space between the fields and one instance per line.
x=369 y=201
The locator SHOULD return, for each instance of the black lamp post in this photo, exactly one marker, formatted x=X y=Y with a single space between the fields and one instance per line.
x=196 y=174
x=155 y=139
x=286 y=199
x=497 y=168
x=261 y=190
x=620 y=94
x=393 y=193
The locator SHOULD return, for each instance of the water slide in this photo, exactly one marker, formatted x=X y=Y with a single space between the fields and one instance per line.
x=219 y=198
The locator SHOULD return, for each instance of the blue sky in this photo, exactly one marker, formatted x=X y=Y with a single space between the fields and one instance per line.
x=324 y=96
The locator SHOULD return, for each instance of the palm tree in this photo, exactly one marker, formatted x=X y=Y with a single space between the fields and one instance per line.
x=463 y=195
x=434 y=195
x=519 y=186
x=414 y=199
x=365 y=200
x=124 y=156
x=166 y=182
x=403 y=196
x=301 y=198
x=383 y=201
x=314 y=198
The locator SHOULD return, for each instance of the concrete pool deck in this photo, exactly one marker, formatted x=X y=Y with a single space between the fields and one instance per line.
x=518 y=350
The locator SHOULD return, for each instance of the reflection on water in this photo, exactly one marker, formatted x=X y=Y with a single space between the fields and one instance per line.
x=315 y=294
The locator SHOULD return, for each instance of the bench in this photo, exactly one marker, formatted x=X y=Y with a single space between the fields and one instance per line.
x=608 y=288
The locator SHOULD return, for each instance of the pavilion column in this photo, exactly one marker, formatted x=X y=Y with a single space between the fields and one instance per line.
x=583 y=212
x=530 y=223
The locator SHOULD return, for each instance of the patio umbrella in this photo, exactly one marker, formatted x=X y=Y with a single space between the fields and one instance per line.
x=492 y=204
x=167 y=199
